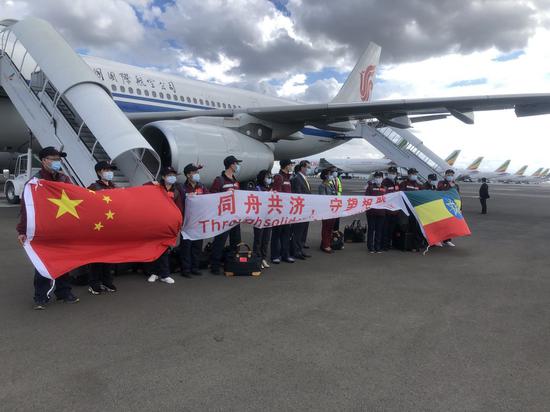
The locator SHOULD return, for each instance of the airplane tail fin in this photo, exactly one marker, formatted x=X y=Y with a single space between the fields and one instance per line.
x=503 y=167
x=451 y=159
x=358 y=86
x=521 y=171
x=475 y=164
x=537 y=172
x=544 y=173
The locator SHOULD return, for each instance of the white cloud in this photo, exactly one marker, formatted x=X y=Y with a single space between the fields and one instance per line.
x=207 y=70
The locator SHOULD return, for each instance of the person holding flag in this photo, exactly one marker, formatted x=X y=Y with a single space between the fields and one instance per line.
x=447 y=184
x=375 y=217
x=50 y=159
x=391 y=185
x=431 y=183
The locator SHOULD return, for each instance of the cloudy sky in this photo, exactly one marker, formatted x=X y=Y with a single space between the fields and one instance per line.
x=304 y=49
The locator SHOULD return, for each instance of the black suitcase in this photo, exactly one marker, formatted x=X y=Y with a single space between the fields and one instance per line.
x=355 y=233
x=405 y=241
x=242 y=262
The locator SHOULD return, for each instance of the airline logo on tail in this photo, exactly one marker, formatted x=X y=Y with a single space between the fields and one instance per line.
x=502 y=169
x=452 y=158
x=545 y=173
x=366 y=84
x=537 y=172
x=521 y=171
x=475 y=164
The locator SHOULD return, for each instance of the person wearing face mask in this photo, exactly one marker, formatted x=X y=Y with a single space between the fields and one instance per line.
x=326 y=188
x=280 y=235
x=431 y=183
x=300 y=184
x=337 y=183
x=50 y=159
x=160 y=269
x=447 y=184
x=190 y=250
x=226 y=182
x=264 y=180
x=392 y=216
x=411 y=183
x=375 y=217
x=100 y=278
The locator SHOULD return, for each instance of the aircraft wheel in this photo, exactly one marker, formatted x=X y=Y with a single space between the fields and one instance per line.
x=11 y=197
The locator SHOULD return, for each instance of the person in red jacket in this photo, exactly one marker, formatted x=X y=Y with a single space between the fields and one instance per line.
x=375 y=217
x=100 y=277
x=280 y=235
x=190 y=250
x=226 y=182
x=411 y=183
x=447 y=184
x=431 y=183
x=50 y=158
x=392 y=216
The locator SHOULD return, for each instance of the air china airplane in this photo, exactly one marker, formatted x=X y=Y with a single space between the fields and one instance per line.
x=188 y=121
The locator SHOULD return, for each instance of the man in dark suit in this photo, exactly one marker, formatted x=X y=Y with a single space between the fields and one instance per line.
x=484 y=195
x=300 y=184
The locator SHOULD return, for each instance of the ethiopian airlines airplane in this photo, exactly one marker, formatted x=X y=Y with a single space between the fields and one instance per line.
x=188 y=121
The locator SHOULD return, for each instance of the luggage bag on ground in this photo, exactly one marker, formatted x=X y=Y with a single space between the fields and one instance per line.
x=242 y=262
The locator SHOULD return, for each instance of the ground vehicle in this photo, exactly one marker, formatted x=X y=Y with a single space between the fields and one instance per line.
x=26 y=166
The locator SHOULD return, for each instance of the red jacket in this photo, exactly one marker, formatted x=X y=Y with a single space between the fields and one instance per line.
x=409 y=185
x=42 y=174
x=223 y=183
x=375 y=190
x=100 y=185
x=199 y=188
x=444 y=185
x=281 y=182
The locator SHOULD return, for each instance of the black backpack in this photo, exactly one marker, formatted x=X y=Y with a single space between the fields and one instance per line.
x=337 y=240
x=355 y=233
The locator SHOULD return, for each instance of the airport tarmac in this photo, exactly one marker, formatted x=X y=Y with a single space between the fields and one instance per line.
x=460 y=329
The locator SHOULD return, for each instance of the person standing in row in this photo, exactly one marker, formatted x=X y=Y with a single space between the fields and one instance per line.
x=431 y=183
x=280 y=235
x=190 y=250
x=338 y=188
x=101 y=278
x=484 y=195
x=300 y=184
x=375 y=217
x=447 y=184
x=50 y=159
x=226 y=182
x=408 y=185
x=392 y=216
x=160 y=268
x=264 y=180
x=326 y=187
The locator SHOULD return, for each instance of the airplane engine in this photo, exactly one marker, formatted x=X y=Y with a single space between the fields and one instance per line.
x=179 y=143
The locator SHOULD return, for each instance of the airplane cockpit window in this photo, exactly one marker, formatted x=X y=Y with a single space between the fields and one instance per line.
x=154 y=93
x=194 y=100
x=138 y=91
x=201 y=102
x=168 y=96
x=182 y=99
x=218 y=103
x=224 y=106
x=146 y=92
x=130 y=90
x=188 y=99
x=113 y=87
x=122 y=89
x=207 y=102
x=175 y=97
x=161 y=95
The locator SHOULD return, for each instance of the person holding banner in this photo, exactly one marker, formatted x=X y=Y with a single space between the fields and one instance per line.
x=326 y=187
x=300 y=184
x=50 y=159
x=431 y=183
x=280 y=235
x=264 y=180
x=190 y=250
x=375 y=217
x=226 y=182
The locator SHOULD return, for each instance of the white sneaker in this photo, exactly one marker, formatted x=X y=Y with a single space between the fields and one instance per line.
x=438 y=244
x=265 y=264
x=449 y=243
x=168 y=280
x=152 y=278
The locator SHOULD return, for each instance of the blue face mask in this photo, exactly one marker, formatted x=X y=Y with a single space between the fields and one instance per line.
x=238 y=169
x=170 y=179
x=449 y=178
x=413 y=178
x=378 y=180
x=108 y=175
x=391 y=176
x=268 y=181
x=56 y=165
x=196 y=178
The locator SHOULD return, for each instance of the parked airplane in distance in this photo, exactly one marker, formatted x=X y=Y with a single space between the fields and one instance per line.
x=451 y=159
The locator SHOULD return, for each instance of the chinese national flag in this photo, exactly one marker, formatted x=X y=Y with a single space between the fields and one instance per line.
x=69 y=226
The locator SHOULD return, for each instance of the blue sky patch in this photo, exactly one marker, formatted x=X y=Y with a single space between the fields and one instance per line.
x=509 y=56
x=281 y=6
x=470 y=82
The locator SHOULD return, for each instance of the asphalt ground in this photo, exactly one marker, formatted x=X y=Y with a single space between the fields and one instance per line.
x=460 y=329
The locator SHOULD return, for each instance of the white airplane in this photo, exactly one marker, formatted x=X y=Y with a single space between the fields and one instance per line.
x=468 y=171
x=188 y=121
x=499 y=172
x=451 y=159
x=517 y=177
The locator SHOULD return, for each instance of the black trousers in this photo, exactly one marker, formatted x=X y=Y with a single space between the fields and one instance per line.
x=100 y=273
x=304 y=237
x=375 y=231
x=483 y=205
x=190 y=253
x=390 y=222
x=280 y=242
x=42 y=285
x=161 y=266
x=298 y=230
x=336 y=226
x=261 y=241
x=234 y=235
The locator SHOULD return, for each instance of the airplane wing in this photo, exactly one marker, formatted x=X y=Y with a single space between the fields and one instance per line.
x=384 y=110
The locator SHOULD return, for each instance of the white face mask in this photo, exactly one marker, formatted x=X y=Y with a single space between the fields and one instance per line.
x=449 y=178
x=413 y=178
x=238 y=169
x=196 y=178
x=268 y=181
x=433 y=182
x=109 y=175
x=171 y=179
x=378 y=180
x=334 y=175
x=309 y=171
x=391 y=176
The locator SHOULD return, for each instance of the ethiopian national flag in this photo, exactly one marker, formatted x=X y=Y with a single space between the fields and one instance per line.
x=69 y=226
x=439 y=214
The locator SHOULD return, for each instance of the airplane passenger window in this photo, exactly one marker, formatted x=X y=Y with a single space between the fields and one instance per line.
x=207 y=102
x=130 y=90
x=168 y=96
x=154 y=93
x=194 y=100
x=122 y=89
x=113 y=87
x=218 y=103
x=224 y=106
x=188 y=99
x=146 y=92
x=161 y=95
x=182 y=99
x=138 y=91
x=175 y=97
x=201 y=102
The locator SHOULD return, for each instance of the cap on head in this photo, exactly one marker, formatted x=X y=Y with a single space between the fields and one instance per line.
x=378 y=174
x=191 y=168
x=229 y=160
x=103 y=165
x=285 y=162
x=167 y=170
x=303 y=163
x=432 y=176
x=412 y=171
x=50 y=151
x=484 y=179
x=449 y=172
x=392 y=169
